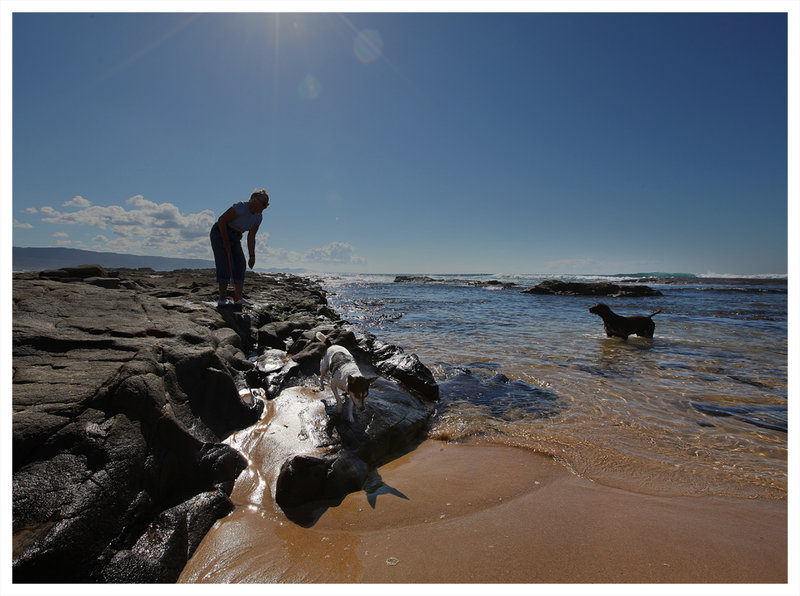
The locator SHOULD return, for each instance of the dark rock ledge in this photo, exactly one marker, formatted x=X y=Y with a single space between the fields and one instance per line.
x=571 y=288
x=425 y=279
x=549 y=287
x=127 y=382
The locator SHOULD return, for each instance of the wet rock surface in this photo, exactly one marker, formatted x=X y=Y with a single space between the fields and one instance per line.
x=126 y=385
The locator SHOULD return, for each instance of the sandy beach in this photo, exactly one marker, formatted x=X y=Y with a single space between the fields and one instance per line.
x=453 y=513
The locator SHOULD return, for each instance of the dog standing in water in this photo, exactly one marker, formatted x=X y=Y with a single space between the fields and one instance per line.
x=617 y=326
x=345 y=376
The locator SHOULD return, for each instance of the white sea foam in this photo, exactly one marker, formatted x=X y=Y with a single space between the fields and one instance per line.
x=740 y=276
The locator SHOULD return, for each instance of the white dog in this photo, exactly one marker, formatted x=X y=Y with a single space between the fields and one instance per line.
x=345 y=376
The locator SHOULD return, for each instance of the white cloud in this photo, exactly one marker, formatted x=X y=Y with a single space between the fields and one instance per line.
x=31 y=209
x=335 y=252
x=77 y=201
x=269 y=256
x=141 y=226
x=18 y=224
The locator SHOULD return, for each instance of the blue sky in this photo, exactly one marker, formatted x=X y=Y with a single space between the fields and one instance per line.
x=409 y=142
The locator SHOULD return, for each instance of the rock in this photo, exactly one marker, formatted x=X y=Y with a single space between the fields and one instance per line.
x=301 y=481
x=393 y=422
x=494 y=283
x=79 y=272
x=272 y=371
x=120 y=402
x=408 y=369
x=203 y=390
x=55 y=274
x=347 y=474
x=424 y=279
x=393 y=362
x=568 y=288
x=271 y=361
x=275 y=334
x=227 y=336
x=496 y=395
x=169 y=541
x=308 y=359
x=267 y=337
x=126 y=388
x=218 y=466
x=417 y=279
x=339 y=336
x=104 y=282
x=306 y=479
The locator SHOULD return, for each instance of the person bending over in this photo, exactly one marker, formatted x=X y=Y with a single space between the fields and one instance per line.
x=226 y=236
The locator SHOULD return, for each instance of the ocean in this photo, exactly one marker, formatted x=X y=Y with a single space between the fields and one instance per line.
x=700 y=409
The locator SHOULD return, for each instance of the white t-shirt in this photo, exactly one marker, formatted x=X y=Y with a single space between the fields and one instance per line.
x=244 y=219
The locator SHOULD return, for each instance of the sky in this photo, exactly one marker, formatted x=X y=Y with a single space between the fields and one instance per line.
x=399 y=142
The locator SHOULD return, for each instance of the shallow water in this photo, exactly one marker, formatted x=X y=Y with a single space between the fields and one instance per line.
x=699 y=409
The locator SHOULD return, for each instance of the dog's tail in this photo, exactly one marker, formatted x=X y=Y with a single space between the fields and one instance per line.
x=654 y=314
x=323 y=339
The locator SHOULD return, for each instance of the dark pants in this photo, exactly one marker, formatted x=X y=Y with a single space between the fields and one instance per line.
x=221 y=256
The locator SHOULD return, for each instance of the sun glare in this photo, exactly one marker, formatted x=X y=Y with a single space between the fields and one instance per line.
x=368 y=46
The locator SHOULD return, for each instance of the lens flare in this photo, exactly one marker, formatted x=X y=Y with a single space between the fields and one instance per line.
x=368 y=46
x=309 y=88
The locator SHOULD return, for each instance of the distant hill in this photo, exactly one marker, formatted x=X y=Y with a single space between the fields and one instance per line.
x=36 y=259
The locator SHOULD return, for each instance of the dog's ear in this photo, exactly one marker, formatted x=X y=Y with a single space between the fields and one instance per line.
x=371 y=380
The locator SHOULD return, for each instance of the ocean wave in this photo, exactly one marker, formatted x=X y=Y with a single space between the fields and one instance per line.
x=753 y=290
x=656 y=275
x=739 y=276
x=499 y=280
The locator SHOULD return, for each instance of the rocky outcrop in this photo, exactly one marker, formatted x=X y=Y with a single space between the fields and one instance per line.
x=414 y=279
x=424 y=279
x=570 y=288
x=126 y=384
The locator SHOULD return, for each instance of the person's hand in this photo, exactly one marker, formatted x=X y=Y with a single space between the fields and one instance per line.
x=252 y=261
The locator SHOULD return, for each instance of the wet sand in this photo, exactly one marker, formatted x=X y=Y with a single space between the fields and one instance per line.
x=451 y=513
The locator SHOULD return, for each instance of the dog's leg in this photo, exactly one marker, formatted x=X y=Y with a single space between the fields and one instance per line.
x=349 y=415
x=323 y=370
x=338 y=399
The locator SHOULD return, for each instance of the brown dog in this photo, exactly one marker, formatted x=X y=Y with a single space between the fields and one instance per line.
x=617 y=326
